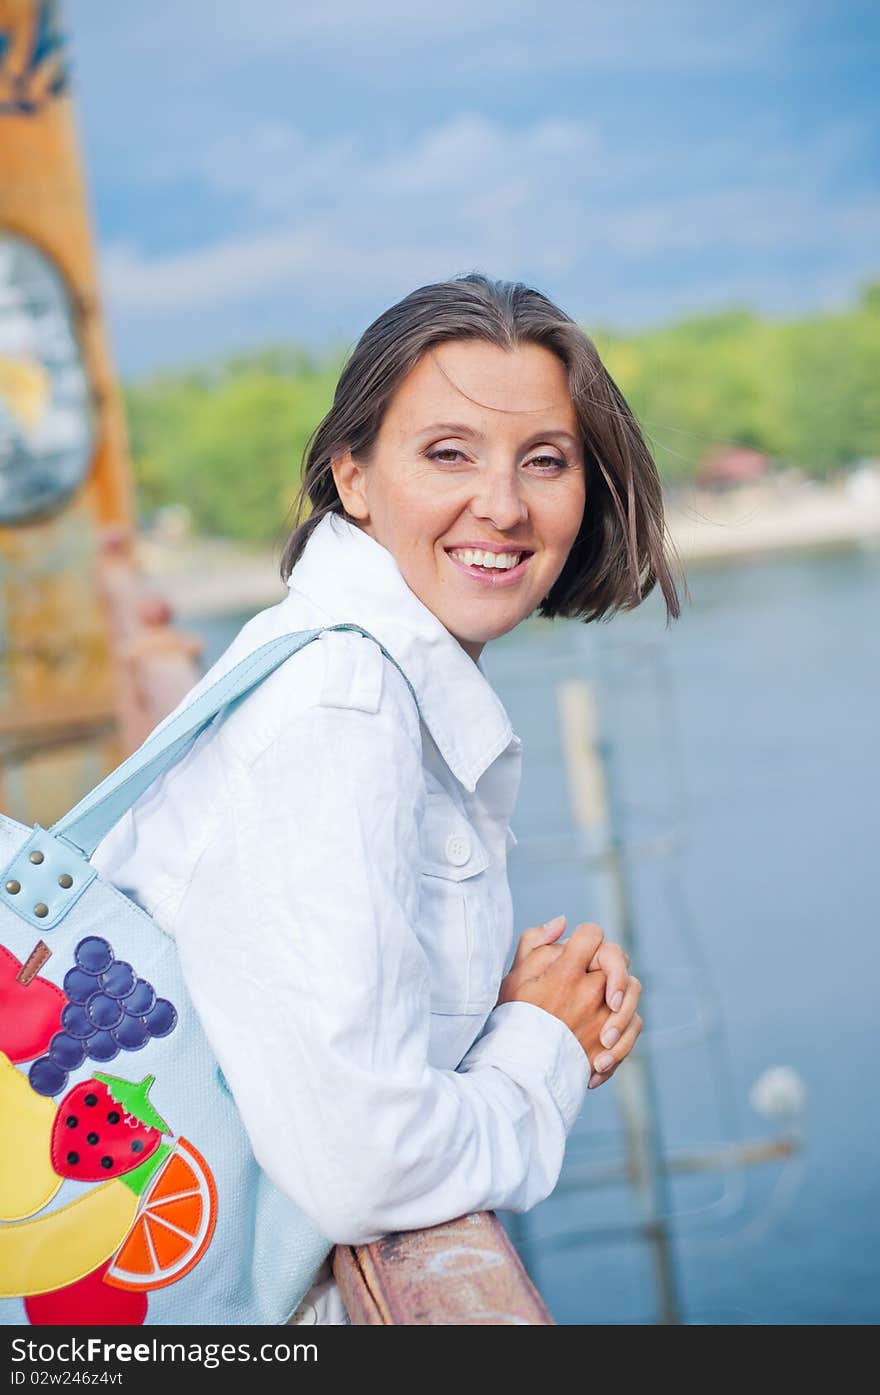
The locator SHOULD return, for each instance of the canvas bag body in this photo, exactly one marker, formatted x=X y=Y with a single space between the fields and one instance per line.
x=128 y=1188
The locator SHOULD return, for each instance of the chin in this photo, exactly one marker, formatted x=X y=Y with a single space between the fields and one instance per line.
x=486 y=636
x=475 y=633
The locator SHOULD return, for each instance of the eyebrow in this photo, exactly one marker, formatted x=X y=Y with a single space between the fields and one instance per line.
x=459 y=428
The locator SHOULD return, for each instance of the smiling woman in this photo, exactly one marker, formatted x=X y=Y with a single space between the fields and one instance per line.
x=331 y=857
x=487 y=381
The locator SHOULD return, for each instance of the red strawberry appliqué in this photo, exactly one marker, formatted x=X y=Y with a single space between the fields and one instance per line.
x=105 y=1127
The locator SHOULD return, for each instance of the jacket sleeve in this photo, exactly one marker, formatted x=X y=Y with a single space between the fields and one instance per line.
x=297 y=943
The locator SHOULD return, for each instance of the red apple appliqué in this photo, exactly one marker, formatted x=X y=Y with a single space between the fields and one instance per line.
x=30 y=1007
x=89 y=1301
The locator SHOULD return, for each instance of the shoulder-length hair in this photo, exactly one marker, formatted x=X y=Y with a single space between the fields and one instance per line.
x=618 y=556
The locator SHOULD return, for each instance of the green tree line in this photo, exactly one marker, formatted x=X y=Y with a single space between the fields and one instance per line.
x=228 y=440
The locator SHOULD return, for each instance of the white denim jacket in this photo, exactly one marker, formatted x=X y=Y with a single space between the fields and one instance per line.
x=334 y=871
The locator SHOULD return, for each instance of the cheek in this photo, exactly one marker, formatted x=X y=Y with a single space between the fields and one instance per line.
x=432 y=521
x=564 y=522
x=419 y=535
x=574 y=527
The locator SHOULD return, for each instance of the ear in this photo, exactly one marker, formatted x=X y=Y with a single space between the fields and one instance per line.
x=351 y=485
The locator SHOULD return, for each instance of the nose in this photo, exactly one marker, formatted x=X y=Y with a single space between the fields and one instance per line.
x=498 y=497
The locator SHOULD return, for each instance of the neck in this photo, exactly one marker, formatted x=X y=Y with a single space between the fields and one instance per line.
x=471 y=648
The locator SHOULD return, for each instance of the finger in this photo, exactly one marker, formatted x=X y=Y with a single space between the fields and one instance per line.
x=532 y=967
x=596 y=1080
x=582 y=944
x=614 y=1027
x=611 y=958
x=537 y=962
x=603 y=1062
x=538 y=935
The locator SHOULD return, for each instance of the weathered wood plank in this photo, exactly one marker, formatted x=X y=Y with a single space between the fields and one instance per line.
x=463 y=1273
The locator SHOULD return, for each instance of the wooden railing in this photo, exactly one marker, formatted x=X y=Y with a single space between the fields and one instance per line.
x=463 y=1273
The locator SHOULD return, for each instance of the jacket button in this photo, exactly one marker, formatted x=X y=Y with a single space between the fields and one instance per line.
x=458 y=849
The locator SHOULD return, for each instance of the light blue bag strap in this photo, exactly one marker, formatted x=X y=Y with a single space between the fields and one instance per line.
x=87 y=823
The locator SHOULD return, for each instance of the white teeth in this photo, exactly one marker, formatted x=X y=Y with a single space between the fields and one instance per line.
x=472 y=557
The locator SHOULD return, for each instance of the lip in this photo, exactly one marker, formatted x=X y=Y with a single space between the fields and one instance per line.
x=492 y=579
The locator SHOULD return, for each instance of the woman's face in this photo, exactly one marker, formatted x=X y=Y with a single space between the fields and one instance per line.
x=479 y=451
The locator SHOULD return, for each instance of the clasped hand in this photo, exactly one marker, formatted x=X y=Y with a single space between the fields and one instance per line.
x=585 y=981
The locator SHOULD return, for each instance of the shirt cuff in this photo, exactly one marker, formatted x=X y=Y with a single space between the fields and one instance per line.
x=522 y=1034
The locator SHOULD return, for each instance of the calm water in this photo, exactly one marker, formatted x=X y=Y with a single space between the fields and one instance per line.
x=745 y=769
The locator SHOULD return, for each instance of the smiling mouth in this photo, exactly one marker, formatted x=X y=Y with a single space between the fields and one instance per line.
x=494 y=570
x=487 y=561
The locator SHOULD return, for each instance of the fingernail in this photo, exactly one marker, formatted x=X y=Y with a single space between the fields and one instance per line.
x=594 y=1081
x=615 y=1005
x=604 y=1062
x=609 y=1035
x=555 y=924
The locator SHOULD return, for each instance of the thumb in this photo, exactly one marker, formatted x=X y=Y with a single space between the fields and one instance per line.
x=554 y=928
x=538 y=935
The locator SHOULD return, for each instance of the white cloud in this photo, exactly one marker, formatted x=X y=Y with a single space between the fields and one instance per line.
x=470 y=150
x=741 y=220
x=225 y=271
x=471 y=191
x=475 y=192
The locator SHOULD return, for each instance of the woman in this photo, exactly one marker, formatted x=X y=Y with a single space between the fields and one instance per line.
x=331 y=856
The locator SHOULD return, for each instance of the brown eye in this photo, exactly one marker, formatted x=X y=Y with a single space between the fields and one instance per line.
x=447 y=450
x=548 y=462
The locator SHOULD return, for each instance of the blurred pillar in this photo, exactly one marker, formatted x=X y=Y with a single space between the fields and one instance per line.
x=65 y=476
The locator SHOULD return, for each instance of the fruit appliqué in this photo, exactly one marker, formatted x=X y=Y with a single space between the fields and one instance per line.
x=60 y=1247
x=105 y=1127
x=28 y=1180
x=107 y=1009
x=30 y=1007
x=152 y=1216
x=174 y=1224
x=88 y=1302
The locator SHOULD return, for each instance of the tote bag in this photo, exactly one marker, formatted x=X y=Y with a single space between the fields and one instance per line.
x=129 y=1192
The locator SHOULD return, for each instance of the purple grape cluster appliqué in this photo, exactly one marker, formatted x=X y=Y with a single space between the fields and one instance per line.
x=109 y=1009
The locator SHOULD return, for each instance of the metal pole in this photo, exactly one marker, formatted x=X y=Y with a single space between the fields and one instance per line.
x=594 y=814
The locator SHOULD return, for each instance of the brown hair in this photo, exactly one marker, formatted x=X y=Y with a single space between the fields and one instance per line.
x=619 y=554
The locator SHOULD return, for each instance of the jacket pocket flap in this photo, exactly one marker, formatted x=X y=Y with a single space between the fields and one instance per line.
x=450 y=846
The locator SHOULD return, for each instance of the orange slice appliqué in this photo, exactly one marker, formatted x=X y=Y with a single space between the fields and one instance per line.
x=173 y=1226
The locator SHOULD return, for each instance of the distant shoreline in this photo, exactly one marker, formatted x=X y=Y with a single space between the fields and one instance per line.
x=709 y=526
x=203 y=577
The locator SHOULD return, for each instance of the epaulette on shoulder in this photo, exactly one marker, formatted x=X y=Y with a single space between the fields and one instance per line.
x=353 y=671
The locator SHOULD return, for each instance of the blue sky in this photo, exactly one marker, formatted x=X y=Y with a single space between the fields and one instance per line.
x=276 y=170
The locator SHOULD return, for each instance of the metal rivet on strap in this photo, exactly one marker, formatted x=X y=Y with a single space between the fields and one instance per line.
x=36 y=856
x=41 y=909
x=65 y=880
x=13 y=888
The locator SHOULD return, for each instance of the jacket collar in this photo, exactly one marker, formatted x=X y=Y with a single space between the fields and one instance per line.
x=351 y=577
